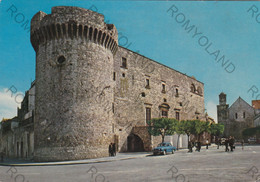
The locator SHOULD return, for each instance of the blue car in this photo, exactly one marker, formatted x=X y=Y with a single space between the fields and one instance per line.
x=164 y=148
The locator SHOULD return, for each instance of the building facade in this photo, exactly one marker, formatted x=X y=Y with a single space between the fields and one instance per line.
x=90 y=91
x=17 y=134
x=256 y=106
x=239 y=116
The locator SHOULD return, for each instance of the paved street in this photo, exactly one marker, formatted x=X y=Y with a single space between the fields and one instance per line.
x=212 y=165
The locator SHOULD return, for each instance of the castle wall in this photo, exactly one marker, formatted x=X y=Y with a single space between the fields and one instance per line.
x=86 y=98
x=129 y=103
x=18 y=142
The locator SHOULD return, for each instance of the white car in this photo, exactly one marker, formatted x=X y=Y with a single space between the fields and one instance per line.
x=252 y=140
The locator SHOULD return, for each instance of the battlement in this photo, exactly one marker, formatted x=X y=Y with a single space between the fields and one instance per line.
x=67 y=22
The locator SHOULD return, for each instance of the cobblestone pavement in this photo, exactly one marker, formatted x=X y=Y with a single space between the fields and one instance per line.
x=208 y=165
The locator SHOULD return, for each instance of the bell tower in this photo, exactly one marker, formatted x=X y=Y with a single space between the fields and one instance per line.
x=222 y=111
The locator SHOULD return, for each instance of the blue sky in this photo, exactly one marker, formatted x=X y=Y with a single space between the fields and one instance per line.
x=152 y=31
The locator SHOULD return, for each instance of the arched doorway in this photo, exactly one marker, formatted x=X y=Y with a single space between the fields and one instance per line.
x=134 y=143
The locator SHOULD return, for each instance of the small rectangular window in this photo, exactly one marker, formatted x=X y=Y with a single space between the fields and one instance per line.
x=113 y=107
x=114 y=76
x=244 y=114
x=124 y=63
x=113 y=128
x=236 y=115
x=148 y=114
x=177 y=93
x=164 y=114
x=163 y=88
x=177 y=115
x=147 y=83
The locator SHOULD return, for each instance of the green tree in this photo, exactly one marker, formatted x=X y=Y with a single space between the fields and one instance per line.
x=162 y=126
x=217 y=129
x=200 y=127
x=249 y=132
x=189 y=128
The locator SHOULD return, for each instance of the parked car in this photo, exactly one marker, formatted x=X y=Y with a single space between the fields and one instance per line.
x=164 y=148
x=252 y=140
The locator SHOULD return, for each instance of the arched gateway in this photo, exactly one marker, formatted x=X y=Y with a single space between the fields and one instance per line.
x=134 y=143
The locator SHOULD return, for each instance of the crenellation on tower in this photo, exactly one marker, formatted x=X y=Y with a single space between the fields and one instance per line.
x=74 y=23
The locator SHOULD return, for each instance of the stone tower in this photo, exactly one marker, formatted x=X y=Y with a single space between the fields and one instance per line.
x=222 y=110
x=74 y=83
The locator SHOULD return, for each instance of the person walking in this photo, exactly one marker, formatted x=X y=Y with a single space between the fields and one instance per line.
x=2 y=156
x=190 y=146
x=199 y=146
x=114 y=149
x=242 y=144
x=196 y=145
x=110 y=150
x=226 y=145
x=218 y=142
x=207 y=144
x=231 y=143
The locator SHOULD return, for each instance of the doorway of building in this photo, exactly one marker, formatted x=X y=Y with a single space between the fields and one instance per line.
x=134 y=143
x=21 y=149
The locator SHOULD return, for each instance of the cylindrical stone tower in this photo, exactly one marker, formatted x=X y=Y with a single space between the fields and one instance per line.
x=74 y=84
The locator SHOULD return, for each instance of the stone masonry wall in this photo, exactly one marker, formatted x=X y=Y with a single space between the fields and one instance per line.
x=74 y=86
x=130 y=105
x=85 y=96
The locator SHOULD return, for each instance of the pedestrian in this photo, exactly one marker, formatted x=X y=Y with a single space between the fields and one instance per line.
x=114 y=149
x=226 y=145
x=190 y=146
x=207 y=144
x=196 y=146
x=199 y=146
x=242 y=144
x=218 y=142
x=2 y=156
x=110 y=149
x=231 y=143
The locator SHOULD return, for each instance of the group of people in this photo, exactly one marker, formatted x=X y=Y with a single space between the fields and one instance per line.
x=231 y=143
x=112 y=149
x=197 y=144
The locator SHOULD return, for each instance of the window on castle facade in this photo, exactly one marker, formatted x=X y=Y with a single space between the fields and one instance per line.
x=164 y=114
x=163 y=88
x=124 y=63
x=148 y=114
x=192 y=88
x=236 y=115
x=113 y=107
x=61 y=59
x=199 y=91
x=244 y=115
x=147 y=83
x=177 y=93
x=177 y=115
x=114 y=76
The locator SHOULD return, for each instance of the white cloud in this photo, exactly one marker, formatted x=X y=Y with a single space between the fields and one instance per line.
x=9 y=103
x=212 y=110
